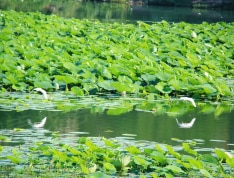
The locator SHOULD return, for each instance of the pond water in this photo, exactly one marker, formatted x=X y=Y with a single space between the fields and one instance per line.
x=113 y=12
x=129 y=118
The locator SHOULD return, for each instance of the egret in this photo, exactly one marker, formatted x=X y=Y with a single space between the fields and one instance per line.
x=38 y=124
x=188 y=99
x=186 y=125
x=42 y=91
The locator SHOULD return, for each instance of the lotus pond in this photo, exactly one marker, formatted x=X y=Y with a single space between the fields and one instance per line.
x=114 y=94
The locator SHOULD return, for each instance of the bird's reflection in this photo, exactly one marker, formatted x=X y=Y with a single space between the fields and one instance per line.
x=37 y=124
x=186 y=125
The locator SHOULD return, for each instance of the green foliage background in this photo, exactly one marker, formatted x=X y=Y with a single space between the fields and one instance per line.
x=88 y=57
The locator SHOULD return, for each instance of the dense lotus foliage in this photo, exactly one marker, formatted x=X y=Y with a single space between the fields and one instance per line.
x=90 y=57
x=100 y=157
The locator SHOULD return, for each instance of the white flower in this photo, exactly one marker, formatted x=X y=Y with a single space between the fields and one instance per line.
x=194 y=35
x=208 y=76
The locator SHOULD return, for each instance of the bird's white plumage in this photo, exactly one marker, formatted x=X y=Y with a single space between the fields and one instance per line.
x=189 y=99
x=42 y=91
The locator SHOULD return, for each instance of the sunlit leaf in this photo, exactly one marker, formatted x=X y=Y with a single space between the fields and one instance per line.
x=205 y=173
x=174 y=169
x=187 y=148
x=77 y=91
x=107 y=85
x=133 y=150
x=119 y=110
x=208 y=89
x=110 y=167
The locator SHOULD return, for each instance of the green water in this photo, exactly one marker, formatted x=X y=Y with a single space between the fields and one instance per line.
x=113 y=12
x=209 y=130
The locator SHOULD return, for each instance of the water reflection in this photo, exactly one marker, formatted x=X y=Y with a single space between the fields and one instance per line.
x=143 y=125
x=113 y=12
x=37 y=124
x=185 y=125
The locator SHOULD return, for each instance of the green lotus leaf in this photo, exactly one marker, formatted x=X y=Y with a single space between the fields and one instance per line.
x=98 y=175
x=77 y=91
x=209 y=159
x=124 y=79
x=146 y=106
x=209 y=89
x=223 y=88
x=175 y=169
x=163 y=76
x=5 y=35
x=149 y=78
x=43 y=84
x=141 y=161
x=109 y=167
x=176 y=84
x=70 y=67
x=159 y=157
x=11 y=78
x=20 y=86
x=106 y=85
x=163 y=87
x=106 y=73
x=66 y=79
x=120 y=87
x=193 y=59
x=120 y=110
x=205 y=173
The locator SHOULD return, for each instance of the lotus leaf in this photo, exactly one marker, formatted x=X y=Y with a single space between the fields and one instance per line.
x=114 y=57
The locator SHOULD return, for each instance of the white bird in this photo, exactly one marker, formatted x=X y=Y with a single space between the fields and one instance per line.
x=186 y=125
x=188 y=99
x=42 y=91
x=38 y=124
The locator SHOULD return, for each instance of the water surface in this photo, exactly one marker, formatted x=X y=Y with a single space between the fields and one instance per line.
x=211 y=129
x=115 y=12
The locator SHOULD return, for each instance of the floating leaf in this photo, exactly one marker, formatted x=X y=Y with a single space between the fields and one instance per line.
x=107 y=85
x=187 y=148
x=15 y=159
x=121 y=86
x=208 y=89
x=77 y=91
x=163 y=87
x=163 y=76
x=205 y=173
x=98 y=175
x=174 y=169
x=133 y=150
x=110 y=167
x=119 y=110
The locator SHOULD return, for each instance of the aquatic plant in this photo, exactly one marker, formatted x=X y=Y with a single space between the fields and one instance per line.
x=90 y=57
x=108 y=157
